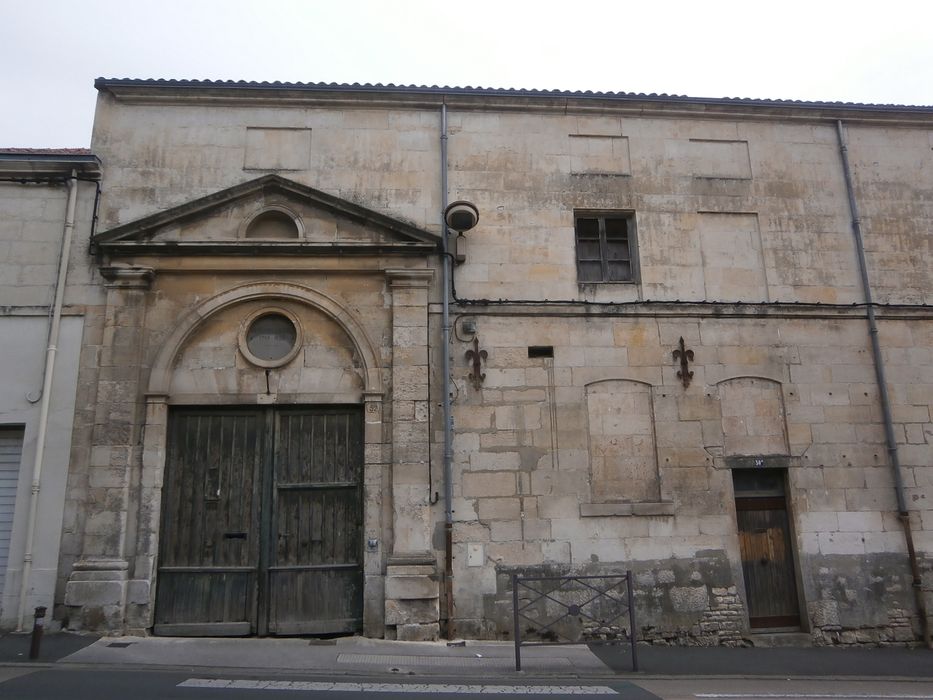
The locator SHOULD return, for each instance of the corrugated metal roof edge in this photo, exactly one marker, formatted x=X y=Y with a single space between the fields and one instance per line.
x=104 y=83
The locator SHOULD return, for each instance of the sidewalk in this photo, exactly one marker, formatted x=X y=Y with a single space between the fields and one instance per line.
x=357 y=656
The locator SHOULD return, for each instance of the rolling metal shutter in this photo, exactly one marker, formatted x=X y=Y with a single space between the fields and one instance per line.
x=11 y=450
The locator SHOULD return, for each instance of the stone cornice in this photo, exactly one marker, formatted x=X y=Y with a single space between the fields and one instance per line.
x=676 y=309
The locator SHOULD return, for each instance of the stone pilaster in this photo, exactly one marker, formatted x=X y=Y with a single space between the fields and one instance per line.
x=140 y=600
x=376 y=489
x=96 y=592
x=411 y=584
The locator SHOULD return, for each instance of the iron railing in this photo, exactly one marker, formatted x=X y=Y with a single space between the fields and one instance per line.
x=573 y=610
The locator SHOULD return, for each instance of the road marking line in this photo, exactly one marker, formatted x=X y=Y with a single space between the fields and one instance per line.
x=399 y=687
x=834 y=696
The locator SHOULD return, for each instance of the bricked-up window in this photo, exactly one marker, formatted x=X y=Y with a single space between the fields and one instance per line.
x=605 y=246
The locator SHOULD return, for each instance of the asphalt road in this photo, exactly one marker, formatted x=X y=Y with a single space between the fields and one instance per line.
x=60 y=683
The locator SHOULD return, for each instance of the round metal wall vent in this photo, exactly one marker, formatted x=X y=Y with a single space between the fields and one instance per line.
x=270 y=337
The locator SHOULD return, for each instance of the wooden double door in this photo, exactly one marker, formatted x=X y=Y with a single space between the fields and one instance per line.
x=261 y=522
x=765 y=544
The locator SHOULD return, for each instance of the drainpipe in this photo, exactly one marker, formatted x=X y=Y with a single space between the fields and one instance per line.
x=903 y=513
x=448 y=418
x=47 y=392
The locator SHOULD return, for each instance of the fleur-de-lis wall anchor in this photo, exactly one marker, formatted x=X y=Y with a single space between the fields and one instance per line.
x=684 y=374
x=477 y=356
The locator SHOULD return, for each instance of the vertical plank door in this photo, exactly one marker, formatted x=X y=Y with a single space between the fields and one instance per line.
x=315 y=572
x=210 y=533
x=767 y=561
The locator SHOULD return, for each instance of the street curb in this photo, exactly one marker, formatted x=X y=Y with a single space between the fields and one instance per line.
x=522 y=675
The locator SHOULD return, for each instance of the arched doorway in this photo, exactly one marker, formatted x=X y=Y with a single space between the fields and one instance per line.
x=261 y=529
x=262 y=522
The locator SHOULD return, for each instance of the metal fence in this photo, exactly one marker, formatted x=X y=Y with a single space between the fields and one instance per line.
x=573 y=610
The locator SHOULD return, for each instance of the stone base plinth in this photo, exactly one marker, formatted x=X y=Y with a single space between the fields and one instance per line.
x=95 y=596
x=418 y=633
x=412 y=597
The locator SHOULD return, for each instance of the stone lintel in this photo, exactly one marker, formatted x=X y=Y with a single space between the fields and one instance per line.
x=128 y=277
x=760 y=462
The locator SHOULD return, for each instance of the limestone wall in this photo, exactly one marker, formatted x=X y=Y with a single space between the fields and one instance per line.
x=598 y=458
x=530 y=455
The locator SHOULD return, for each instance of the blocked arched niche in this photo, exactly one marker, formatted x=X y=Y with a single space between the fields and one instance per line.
x=246 y=298
x=753 y=417
x=623 y=452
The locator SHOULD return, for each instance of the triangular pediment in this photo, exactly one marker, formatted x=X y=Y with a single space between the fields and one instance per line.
x=230 y=222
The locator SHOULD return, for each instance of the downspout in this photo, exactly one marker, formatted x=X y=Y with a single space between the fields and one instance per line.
x=445 y=384
x=47 y=393
x=903 y=513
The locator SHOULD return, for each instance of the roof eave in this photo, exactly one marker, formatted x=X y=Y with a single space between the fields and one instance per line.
x=48 y=166
x=156 y=91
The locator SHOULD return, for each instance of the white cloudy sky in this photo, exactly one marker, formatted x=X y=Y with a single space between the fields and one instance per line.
x=851 y=50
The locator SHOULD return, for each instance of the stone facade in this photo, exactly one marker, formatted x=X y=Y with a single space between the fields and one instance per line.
x=583 y=443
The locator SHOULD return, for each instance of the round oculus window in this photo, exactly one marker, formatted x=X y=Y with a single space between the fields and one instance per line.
x=270 y=338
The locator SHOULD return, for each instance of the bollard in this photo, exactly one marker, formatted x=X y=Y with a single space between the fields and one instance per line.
x=37 y=625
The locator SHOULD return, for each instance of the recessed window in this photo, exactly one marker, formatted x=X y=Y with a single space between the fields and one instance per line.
x=273 y=224
x=270 y=338
x=605 y=247
x=540 y=351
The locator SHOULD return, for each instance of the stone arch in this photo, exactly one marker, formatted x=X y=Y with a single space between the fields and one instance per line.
x=155 y=445
x=272 y=209
x=754 y=418
x=161 y=374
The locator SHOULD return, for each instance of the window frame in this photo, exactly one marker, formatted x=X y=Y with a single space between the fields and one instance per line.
x=602 y=215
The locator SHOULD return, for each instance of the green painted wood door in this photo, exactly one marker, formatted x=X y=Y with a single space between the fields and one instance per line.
x=261 y=522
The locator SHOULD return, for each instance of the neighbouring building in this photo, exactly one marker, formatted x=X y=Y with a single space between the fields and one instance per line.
x=46 y=207
x=660 y=354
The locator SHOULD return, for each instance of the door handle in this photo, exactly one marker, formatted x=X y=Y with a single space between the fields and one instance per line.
x=234 y=535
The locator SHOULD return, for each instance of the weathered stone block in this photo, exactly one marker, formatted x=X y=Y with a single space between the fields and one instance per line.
x=137 y=592
x=94 y=593
x=499 y=509
x=404 y=612
x=410 y=587
x=418 y=632
x=480 y=461
x=410 y=570
x=479 y=484
x=689 y=598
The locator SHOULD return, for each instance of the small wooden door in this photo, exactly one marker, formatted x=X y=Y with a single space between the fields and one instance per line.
x=261 y=522
x=765 y=543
